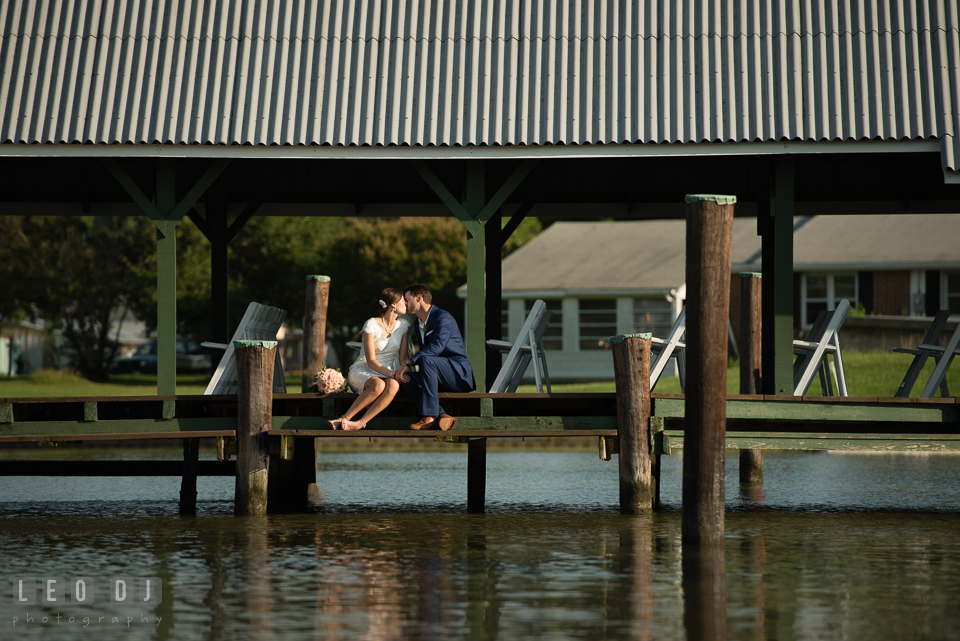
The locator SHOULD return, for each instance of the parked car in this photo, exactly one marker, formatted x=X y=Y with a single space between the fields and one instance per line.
x=190 y=358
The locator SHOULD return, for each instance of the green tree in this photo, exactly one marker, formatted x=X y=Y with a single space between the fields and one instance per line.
x=74 y=272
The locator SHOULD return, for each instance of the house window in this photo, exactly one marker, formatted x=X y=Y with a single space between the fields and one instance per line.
x=950 y=296
x=553 y=338
x=822 y=292
x=598 y=322
x=654 y=315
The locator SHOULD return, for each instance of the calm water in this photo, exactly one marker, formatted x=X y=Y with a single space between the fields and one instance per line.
x=835 y=546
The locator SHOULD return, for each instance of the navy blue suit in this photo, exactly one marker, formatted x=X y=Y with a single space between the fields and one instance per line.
x=442 y=363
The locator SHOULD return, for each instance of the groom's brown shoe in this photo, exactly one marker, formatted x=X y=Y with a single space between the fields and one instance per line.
x=447 y=422
x=426 y=423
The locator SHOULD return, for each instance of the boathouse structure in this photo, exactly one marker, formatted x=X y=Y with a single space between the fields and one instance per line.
x=208 y=112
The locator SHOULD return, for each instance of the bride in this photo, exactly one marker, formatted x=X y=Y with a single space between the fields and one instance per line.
x=384 y=348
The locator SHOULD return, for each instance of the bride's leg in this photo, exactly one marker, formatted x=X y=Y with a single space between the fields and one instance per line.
x=380 y=403
x=371 y=390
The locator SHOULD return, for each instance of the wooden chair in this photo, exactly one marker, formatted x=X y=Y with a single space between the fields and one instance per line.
x=812 y=353
x=931 y=348
x=259 y=323
x=670 y=347
x=527 y=349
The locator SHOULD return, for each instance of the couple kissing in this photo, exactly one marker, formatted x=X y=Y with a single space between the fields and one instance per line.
x=422 y=354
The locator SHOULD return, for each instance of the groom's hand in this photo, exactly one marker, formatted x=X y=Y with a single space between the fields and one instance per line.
x=400 y=374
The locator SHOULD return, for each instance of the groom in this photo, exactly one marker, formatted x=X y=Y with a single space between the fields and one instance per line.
x=440 y=363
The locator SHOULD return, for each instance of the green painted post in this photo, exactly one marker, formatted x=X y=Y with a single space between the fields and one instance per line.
x=166 y=281
x=217 y=233
x=777 y=282
x=474 y=211
x=473 y=202
x=494 y=293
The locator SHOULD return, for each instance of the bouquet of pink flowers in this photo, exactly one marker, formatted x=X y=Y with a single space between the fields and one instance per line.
x=329 y=380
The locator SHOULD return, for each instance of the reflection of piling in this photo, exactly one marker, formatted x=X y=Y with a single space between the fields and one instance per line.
x=631 y=370
x=751 y=461
x=255 y=362
x=709 y=238
x=704 y=592
x=314 y=328
x=636 y=578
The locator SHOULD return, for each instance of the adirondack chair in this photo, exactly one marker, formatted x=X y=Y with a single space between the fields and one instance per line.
x=928 y=348
x=527 y=349
x=259 y=322
x=939 y=376
x=670 y=347
x=812 y=353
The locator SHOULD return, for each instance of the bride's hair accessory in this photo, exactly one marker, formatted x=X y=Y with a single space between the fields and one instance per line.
x=382 y=304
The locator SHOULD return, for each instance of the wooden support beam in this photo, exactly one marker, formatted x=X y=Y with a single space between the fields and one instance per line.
x=314 y=328
x=216 y=224
x=188 y=483
x=751 y=461
x=493 y=324
x=775 y=221
x=709 y=239
x=112 y=468
x=476 y=475
x=255 y=364
x=476 y=333
x=631 y=371
x=283 y=493
x=166 y=279
x=165 y=213
x=474 y=213
x=250 y=210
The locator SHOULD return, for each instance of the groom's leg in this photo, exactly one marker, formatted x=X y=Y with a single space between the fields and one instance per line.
x=438 y=375
x=412 y=388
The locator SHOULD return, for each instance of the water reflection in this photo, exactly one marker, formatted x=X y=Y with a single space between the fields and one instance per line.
x=372 y=563
x=704 y=592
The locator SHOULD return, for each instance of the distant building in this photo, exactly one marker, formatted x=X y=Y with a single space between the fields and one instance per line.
x=606 y=278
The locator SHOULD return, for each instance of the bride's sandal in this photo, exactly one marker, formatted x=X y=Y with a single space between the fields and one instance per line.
x=361 y=422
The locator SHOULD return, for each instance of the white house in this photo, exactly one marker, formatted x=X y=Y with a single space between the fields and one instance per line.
x=601 y=279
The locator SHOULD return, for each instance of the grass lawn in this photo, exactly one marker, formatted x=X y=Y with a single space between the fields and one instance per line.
x=868 y=374
x=52 y=383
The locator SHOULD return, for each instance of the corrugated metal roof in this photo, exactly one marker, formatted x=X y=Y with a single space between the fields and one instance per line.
x=478 y=72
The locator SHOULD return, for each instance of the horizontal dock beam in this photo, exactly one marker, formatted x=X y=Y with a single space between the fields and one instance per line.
x=114 y=468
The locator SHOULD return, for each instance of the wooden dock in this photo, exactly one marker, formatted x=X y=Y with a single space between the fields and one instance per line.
x=299 y=422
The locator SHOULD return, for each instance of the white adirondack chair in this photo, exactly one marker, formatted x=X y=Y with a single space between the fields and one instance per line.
x=928 y=348
x=259 y=323
x=670 y=347
x=812 y=353
x=526 y=350
x=939 y=376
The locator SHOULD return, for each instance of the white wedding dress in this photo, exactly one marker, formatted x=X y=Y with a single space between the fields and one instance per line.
x=387 y=351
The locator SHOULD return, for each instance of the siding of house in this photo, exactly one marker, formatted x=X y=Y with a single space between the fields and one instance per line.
x=891 y=293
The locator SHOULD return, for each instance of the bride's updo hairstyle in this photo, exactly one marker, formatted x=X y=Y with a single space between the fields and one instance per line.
x=386 y=298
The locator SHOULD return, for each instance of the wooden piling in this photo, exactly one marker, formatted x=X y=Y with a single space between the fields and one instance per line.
x=631 y=371
x=188 y=482
x=709 y=240
x=255 y=362
x=751 y=461
x=476 y=475
x=314 y=328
